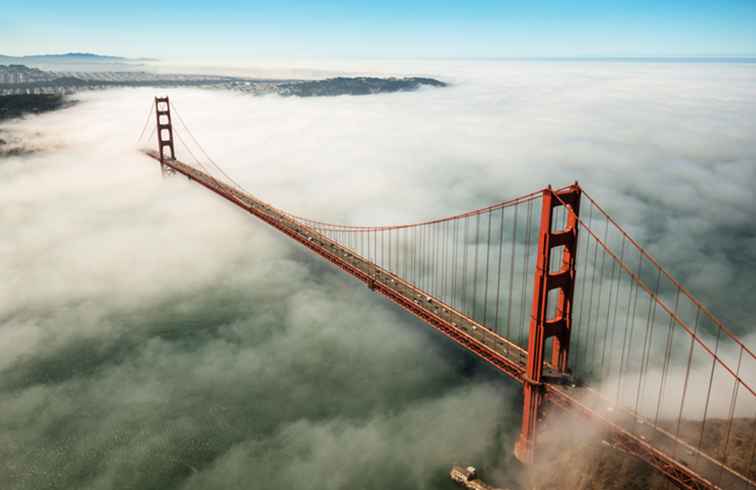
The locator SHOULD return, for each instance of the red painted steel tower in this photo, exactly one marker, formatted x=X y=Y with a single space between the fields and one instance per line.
x=164 y=132
x=547 y=320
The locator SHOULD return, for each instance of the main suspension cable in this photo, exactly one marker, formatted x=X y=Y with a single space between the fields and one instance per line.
x=146 y=122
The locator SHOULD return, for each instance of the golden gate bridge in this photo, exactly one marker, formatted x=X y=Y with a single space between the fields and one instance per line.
x=555 y=294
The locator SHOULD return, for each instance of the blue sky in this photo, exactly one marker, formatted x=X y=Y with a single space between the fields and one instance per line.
x=397 y=29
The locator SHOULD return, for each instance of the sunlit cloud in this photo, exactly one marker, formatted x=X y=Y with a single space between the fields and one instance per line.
x=151 y=332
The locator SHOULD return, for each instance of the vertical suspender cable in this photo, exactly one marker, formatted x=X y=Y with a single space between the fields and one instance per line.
x=475 y=268
x=488 y=260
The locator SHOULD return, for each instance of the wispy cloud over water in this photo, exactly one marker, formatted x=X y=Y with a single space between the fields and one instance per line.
x=153 y=336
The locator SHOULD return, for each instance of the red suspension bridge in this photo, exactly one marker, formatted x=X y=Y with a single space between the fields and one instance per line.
x=553 y=293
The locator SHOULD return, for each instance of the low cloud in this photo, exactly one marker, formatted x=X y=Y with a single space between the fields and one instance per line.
x=152 y=335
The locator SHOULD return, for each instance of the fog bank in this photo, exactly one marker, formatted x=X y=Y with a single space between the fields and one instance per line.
x=153 y=336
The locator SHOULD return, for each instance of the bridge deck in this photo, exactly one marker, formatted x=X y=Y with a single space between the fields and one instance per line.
x=684 y=464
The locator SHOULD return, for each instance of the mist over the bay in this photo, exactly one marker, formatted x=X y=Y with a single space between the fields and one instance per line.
x=153 y=336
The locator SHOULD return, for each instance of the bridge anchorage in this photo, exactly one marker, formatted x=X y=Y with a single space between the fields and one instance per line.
x=548 y=289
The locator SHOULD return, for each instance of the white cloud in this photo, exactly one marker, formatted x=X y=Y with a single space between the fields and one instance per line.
x=154 y=307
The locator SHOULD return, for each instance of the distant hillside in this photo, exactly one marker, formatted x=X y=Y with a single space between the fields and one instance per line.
x=20 y=79
x=16 y=73
x=354 y=86
x=12 y=106
x=62 y=58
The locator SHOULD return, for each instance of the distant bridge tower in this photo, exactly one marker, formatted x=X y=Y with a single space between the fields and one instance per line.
x=164 y=132
x=549 y=319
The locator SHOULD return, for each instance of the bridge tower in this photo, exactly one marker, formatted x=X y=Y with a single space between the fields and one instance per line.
x=164 y=133
x=549 y=320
